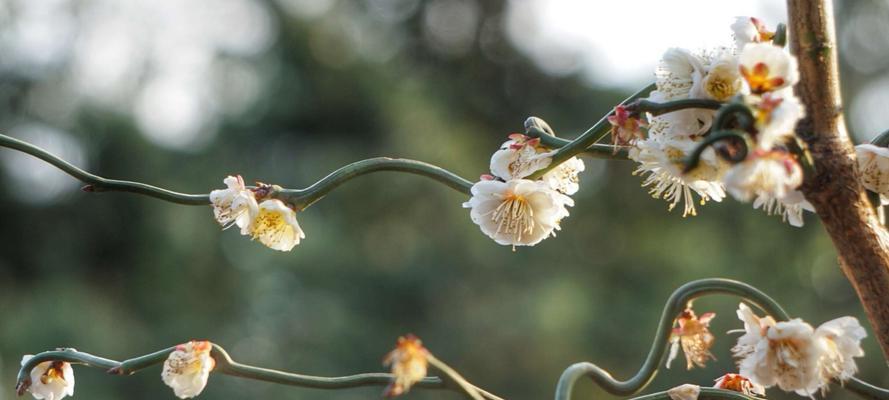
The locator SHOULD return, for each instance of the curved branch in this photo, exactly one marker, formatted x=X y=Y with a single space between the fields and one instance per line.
x=588 y=138
x=735 y=109
x=691 y=162
x=303 y=198
x=675 y=304
x=644 y=106
x=97 y=183
x=596 y=151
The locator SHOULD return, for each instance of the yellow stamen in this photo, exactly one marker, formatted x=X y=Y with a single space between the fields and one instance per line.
x=514 y=216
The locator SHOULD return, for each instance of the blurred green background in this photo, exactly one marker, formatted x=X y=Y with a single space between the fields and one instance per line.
x=180 y=94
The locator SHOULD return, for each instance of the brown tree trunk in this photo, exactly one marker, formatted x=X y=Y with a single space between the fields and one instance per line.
x=834 y=189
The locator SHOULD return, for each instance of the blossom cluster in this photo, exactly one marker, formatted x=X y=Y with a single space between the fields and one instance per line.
x=753 y=72
x=517 y=211
x=791 y=355
x=269 y=220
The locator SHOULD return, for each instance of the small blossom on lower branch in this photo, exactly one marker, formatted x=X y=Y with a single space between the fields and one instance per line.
x=873 y=165
x=51 y=380
x=409 y=361
x=684 y=392
x=188 y=367
x=692 y=333
x=740 y=384
x=793 y=355
x=275 y=226
x=518 y=212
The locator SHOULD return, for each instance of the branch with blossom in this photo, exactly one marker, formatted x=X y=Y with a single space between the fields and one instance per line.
x=826 y=354
x=186 y=370
x=840 y=337
x=716 y=122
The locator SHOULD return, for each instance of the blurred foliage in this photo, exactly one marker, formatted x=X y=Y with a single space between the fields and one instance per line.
x=120 y=275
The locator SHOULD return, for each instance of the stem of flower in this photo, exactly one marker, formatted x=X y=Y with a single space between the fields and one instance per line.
x=95 y=183
x=716 y=136
x=300 y=197
x=639 y=107
x=738 y=110
x=225 y=365
x=303 y=198
x=588 y=138
x=596 y=151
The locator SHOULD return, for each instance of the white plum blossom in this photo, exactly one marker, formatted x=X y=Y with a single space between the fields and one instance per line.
x=776 y=115
x=522 y=156
x=519 y=157
x=750 y=30
x=767 y=68
x=790 y=207
x=235 y=205
x=518 y=212
x=51 y=380
x=793 y=355
x=661 y=160
x=188 y=367
x=778 y=353
x=722 y=80
x=772 y=174
x=682 y=74
x=873 y=165
x=275 y=226
x=840 y=341
x=565 y=177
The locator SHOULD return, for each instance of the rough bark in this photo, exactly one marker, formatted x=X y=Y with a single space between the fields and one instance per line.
x=834 y=189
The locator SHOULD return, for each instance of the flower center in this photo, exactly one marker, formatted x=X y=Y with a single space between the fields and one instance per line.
x=53 y=372
x=759 y=79
x=268 y=223
x=514 y=216
x=721 y=84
